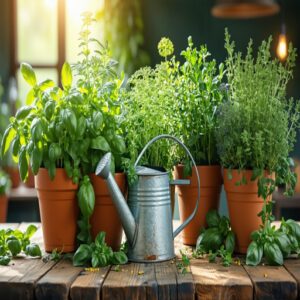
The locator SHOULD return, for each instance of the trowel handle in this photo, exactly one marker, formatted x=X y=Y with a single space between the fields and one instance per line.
x=167 y=136
x=180 y=182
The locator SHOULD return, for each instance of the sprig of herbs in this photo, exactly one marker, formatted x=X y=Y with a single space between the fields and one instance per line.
x=98 y=254
x=184 y=263
x=14 y=242
x=217 y=239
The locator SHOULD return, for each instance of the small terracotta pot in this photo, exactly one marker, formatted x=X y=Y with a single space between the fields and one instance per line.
x=30 y=180
x=210 y=189
x=58 y=210
x=3 y=208
x=105 y=216
x=14 y=176
x=243 y=206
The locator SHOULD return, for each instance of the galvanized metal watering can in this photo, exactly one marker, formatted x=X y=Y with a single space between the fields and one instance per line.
x=147 y=218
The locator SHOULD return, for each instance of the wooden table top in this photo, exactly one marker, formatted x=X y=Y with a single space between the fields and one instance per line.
x=29 y=278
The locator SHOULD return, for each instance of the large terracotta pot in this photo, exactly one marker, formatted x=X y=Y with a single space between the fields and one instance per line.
x=14 y=175
x=3 y=208
x=58 y=210
x=244 y=206
x=105 y=216
x=210 y=189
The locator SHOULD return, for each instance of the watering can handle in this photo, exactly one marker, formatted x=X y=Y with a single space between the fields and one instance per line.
x=167 y=136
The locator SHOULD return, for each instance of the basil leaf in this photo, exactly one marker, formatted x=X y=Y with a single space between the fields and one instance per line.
x=212 y=239
x=100 y=239
x=14 y=246
x=33 y=250
x=66 y=76
x=273 y=254
x=23 y=112
x=284 y=244
x=254 y=254
x=23 y=163
x=82 y=255
x=100 y=143
x=230 y=242
x=4 y=260
x=8 y=136
x=212 y=218
x=28 y=74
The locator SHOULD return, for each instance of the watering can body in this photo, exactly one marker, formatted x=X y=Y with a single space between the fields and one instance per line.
x=147 y=216
x=150 y=204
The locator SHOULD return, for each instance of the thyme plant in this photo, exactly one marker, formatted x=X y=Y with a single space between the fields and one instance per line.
x=257 y=125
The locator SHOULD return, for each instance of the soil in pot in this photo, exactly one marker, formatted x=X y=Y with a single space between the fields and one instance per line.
x=243 y=206
x=105 y=216
x=58 y=210
x=3 y=208
x=210 y=189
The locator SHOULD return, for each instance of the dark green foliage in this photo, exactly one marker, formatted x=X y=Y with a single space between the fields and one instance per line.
x=217 y=240
x=98 y=254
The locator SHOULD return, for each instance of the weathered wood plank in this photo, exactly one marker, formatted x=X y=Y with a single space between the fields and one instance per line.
x=293 y=267
x=185 y=285
x=18 y=280
x=271 y=282
x=88 y=285
x=134 y=281
x=214 y=281
x=57 y=282
x=166 y=277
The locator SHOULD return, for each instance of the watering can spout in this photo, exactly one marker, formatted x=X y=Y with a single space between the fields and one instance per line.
x=127 y=219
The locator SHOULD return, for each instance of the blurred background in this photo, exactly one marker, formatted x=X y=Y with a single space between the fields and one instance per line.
x=44 y=34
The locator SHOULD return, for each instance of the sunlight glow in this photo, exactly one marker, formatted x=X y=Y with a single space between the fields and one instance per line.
x=51 y=4
x=282 y=47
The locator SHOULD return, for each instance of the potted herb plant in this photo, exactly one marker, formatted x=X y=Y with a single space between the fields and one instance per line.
x=98 y=87
x=62 y=134
x=199 y=94
x=148 y=108
x=5 y=185
x=257 y=131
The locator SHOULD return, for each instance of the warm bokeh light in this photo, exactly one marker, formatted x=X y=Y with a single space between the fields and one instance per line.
x=50 y=3
x=282 y=47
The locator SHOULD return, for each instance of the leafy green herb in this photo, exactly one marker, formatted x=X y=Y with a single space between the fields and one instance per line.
x=216 y=240
x=98 y=254
x=13 y=242
x=72 y=127
x=257 y=125
x=184 y=263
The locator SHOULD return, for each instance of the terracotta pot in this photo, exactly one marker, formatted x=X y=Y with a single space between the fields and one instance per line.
x=243 y=206
x=105 y=216
x=210 y=189
x=297 y=171
x=14 y=176
x=58 y=210
x=30 y=180
x=3 y=208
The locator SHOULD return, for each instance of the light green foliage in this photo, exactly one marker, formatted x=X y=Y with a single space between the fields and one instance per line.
x=257 y=126
x=73 y=127
x=184 y=263
x=165 y=47
x=5 y=183
x=98 y=254
x=148 y=112
x=13 y=242
x=199 y=94
x=123 y=29
x=217 y=239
